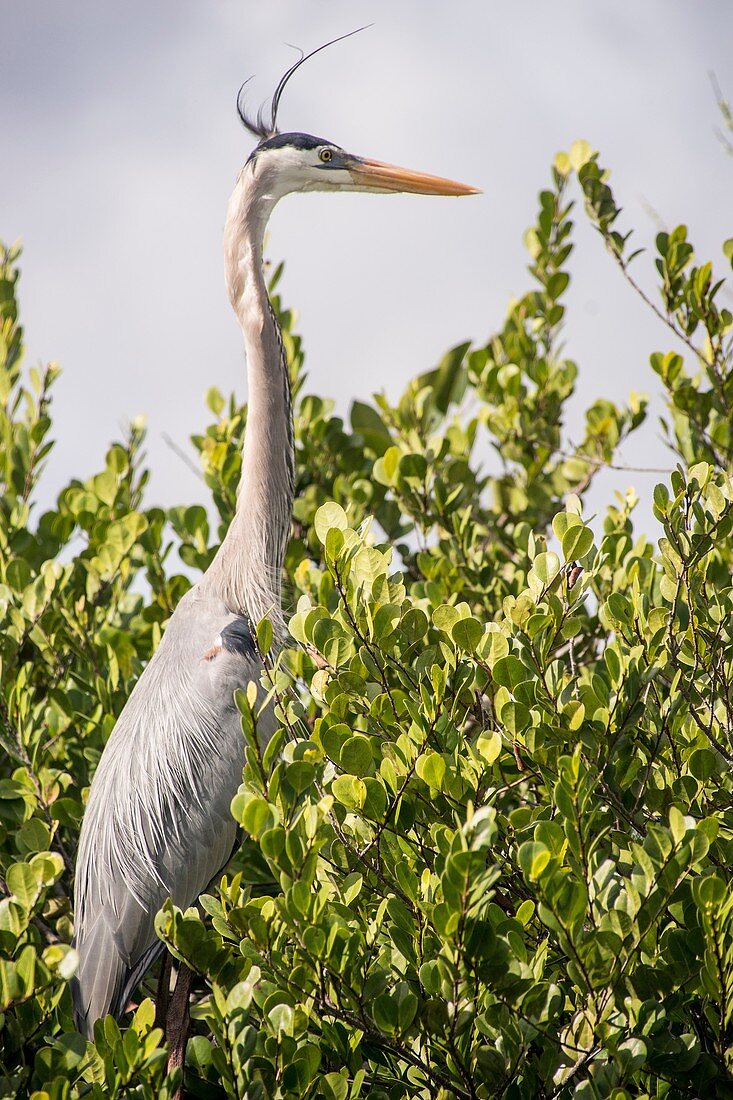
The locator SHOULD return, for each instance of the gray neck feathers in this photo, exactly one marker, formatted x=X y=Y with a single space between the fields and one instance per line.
x=247 y=569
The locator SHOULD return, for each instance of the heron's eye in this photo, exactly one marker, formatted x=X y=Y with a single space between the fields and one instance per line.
x=326 y=155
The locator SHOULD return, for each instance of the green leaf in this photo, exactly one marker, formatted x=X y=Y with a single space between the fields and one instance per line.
x=356 y=755
x=254 y=813
x=300 y=775
x=303 y=1068
x=214 y=400
x=62 y=959
x=407 y=1004
x=334 y=543
x=702 y=764
x=350 y=791
x=335 y=1086
x=445 y=617
x=564 y=522
x=368 y=564
x=467 y=634
x=375 y=804
x=385 y=1013
x=264 y=636
x=327 y=517
x=431 y=769
x=489 y=746
x=24 y=884
x=546 y=566
x=10 y=984
x=515 y=716
x=366 y=420
x=619 y=607
x=580 y=153
x=576 y=542
x=351 y=888
x=534 y=859
x=280 y=1019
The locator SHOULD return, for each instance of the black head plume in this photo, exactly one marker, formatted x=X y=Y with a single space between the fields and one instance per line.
x=263 y=125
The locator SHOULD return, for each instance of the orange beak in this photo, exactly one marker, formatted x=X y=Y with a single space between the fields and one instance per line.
x=373 y=175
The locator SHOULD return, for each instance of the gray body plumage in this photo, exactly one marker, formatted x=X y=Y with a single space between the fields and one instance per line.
x=158 y=822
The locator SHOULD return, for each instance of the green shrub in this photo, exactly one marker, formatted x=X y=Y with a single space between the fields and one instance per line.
x=488 y=852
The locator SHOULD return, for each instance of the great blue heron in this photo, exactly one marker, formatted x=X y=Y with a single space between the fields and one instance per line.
x=158 y=821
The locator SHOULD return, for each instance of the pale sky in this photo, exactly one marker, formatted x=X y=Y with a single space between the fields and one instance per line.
x=121 y=144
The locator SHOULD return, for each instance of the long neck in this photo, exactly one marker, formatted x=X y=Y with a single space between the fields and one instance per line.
x=247 y=569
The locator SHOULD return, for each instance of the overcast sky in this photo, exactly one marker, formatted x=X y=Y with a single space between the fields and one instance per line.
x=121 y=145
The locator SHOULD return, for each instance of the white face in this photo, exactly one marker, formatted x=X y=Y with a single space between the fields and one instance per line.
x=286 y=168
x=299 y=162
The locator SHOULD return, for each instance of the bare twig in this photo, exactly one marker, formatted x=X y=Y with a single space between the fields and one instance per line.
x=183 y=456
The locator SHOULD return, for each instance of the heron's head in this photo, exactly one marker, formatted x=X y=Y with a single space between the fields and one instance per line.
x=286 y=162
x=302 y=162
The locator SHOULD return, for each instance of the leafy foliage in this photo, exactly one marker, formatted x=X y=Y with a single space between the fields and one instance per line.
x=487 y=853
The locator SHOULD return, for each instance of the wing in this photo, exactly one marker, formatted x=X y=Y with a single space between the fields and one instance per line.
x=158 y=822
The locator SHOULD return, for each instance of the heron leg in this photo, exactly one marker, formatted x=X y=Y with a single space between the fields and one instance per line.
x=177 y=1022
x=164 y=991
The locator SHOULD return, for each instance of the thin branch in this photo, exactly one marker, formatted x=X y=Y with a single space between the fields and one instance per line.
x=183 y=456
x=602 y=462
